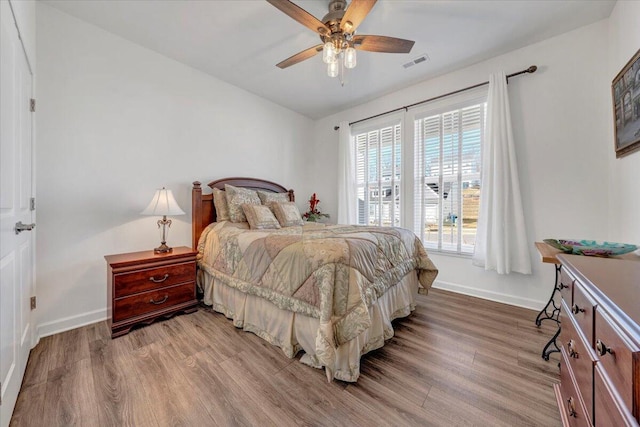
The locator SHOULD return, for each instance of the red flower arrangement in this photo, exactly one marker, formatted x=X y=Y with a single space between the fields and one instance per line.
x=314 y=213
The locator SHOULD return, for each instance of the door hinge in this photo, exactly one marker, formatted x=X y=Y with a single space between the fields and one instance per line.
x=32 y=105
x=32 y=204
x=33 y=303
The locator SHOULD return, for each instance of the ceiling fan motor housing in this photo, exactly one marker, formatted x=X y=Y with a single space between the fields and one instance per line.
x=332 y=20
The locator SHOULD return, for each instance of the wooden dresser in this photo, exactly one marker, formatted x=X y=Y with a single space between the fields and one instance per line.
x=143 y=286
x=600 y=362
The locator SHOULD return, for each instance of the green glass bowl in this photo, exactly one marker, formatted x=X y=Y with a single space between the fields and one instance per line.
x=590 y=247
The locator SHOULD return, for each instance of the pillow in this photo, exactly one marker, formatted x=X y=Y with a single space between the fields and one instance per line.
x=267 y=197
x=260 y=217
x=287 y=213
x=236 y=197
x=220 y=202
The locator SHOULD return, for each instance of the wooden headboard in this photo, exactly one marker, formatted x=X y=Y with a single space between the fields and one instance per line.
x=203 y=211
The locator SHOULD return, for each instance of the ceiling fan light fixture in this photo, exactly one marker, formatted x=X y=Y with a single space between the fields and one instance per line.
x=329 y=53
x=333 y=69
x=350 y=57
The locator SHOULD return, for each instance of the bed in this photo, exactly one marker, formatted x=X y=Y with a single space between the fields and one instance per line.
x=330 y=291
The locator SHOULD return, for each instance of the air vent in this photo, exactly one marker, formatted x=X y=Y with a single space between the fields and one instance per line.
x=422 y=58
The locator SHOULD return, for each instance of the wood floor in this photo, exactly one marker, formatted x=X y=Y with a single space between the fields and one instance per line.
x=456 y=360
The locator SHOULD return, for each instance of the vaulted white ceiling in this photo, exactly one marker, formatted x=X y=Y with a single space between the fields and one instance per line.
x=240 y=41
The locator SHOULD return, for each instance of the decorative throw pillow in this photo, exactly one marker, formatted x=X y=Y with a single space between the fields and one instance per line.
x=287 y=213
x=267 y=197
x=220 y=202
x=260 y=217
x=236 y=197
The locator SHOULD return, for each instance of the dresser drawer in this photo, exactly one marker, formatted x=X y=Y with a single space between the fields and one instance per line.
x=572 y=404
x=153 y=278
x=150 y=301
x=583 y=311
x=615 y=357
x=609 y=410
x=579 y=357
x=567 y=282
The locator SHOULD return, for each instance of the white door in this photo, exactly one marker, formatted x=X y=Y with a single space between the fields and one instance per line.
x=16 y=250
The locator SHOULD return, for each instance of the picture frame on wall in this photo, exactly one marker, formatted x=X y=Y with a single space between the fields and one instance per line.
x=625 y=90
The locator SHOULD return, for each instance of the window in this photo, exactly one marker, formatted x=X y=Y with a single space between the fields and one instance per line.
x=378 y=170
x=447 y=162
x=428 y=181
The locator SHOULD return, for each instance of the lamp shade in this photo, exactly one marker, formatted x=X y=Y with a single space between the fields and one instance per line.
x=163 y=203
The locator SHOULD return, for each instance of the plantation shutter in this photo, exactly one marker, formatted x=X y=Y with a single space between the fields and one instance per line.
x=447 y=160
x=378 y=175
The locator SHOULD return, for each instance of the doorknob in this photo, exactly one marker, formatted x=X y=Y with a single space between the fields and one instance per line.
x=20 y=227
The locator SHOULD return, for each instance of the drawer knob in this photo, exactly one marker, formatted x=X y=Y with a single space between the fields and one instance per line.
x=563 y=286
x=602 y=348
x=571 y=407
x=575 y=309
x=162 y=301
x=572 y=351
x=154 y=280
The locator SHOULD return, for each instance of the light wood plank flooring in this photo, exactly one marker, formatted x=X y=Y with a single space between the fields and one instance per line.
x=456 y=360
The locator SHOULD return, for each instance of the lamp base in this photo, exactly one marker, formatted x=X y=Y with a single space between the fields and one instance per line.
x=162 y=249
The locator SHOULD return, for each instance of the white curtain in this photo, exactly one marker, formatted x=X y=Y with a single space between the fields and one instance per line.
x=346 y=186
x=501 y=239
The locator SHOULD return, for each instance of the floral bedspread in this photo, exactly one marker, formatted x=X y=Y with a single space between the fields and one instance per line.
x=330 y=272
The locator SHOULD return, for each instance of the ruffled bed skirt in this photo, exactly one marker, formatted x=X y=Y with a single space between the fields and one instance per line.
x=293 y=332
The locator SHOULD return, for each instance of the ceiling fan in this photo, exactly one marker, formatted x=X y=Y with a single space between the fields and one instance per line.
x=337 y=31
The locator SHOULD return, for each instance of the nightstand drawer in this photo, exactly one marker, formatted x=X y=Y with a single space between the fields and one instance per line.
x=136 y=305
x=153 y=278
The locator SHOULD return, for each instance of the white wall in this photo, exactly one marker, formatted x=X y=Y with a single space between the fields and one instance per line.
x=25 y=13
x=115 y=122
x=561 y=125
x=624 y=206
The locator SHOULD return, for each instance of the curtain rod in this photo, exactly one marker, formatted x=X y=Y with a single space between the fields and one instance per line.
x=531 y=69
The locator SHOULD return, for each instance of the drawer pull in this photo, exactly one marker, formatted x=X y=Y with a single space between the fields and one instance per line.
x=602 y=348
x=571 y=407
x=575 y=309
x=572 y=352
x=154 y=280
x=162 y=301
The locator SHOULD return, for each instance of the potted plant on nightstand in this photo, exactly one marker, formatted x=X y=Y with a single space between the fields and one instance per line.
x=314 y=214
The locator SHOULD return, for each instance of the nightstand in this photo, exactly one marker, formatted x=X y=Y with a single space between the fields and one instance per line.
x=143 y=287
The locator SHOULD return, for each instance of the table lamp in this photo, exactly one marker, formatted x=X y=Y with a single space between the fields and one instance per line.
x=163 y=203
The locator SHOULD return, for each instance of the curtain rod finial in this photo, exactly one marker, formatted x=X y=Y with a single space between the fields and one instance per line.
x=532 y=69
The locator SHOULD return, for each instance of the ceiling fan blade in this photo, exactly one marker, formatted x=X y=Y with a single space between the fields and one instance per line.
x=382 y=44
x=300 y=56
x=299 y=14
x=355 y=14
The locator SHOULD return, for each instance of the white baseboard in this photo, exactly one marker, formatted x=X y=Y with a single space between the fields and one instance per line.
x=490 y=295
x=71 y=322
